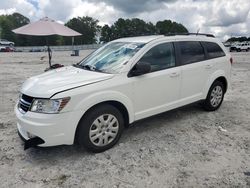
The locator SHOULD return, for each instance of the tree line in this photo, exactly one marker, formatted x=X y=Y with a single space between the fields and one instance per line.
x=137 y=27
x=238 y=39
x=89 y=28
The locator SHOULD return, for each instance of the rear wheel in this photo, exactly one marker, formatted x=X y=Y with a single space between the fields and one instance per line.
x=215 y=96
x=100 y=128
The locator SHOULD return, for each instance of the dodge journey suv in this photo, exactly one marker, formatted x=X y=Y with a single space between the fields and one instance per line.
x=126 y=80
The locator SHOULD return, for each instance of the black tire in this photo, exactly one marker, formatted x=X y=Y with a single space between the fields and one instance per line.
x=87 y=123
x=208 y=104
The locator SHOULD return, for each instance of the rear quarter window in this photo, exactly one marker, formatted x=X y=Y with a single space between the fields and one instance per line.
x=213 y=50
x=191 y=52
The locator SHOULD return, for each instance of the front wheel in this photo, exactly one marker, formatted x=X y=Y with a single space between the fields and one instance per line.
x=100 y=128
x=215 y=96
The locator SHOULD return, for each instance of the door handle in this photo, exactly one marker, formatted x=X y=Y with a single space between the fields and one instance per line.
x=208 y=66
x=174 y=74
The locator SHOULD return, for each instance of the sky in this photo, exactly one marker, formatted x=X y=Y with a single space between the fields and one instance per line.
x=223 y=18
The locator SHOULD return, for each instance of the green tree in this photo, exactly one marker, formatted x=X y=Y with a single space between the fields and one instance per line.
x=18 y=19
x=238 y=39
x=6 y=26
x=106 y=33
x=85 y=25
x=137 y=27
x=127 y=28
x=168 y=27
x=10 y=22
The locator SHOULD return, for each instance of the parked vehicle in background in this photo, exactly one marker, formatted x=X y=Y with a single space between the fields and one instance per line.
x=238 y=47
x=9 y=49
x=2 y=48
x=36 y=50
x=243 y=47
x=126 y=80
x=5 y=42
x=6 y=49
x=6 y=46
x=227 y=44
x=233 y=47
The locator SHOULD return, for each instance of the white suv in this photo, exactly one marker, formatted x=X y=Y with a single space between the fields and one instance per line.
x=6 y=42
x=126 y=80
x=243 y=47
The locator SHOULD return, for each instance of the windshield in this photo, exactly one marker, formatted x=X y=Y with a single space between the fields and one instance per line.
x=111 y=58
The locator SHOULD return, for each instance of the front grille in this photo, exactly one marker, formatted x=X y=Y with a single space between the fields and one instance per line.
x=25 y=103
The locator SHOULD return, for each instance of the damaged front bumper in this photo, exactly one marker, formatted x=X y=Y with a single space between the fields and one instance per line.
x=46 y=130
x=31 y=142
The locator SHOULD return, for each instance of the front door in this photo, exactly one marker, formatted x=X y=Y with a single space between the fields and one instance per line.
x=157 y=91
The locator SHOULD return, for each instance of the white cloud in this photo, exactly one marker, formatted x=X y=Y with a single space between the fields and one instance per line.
x=220 y=17
x=104 y=13
x=7 y=11
x=226 y=14
x=22 y=6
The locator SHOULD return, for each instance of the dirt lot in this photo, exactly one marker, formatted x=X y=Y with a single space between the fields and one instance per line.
x=187 y=147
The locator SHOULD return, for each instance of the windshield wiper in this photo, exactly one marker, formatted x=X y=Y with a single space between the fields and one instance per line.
x=87 y=67
x=77 y=65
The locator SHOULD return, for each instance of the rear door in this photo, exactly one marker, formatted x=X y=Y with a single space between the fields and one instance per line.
x=195 y=70
x=215 y=59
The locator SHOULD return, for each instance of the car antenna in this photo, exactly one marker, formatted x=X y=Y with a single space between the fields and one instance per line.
x=198 y=30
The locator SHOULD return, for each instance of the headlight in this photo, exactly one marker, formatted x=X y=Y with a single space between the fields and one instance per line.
x=49 y=106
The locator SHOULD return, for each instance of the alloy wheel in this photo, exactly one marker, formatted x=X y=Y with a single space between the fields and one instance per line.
x=216 y=96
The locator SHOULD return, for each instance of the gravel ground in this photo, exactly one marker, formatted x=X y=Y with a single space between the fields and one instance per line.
x=186 y=147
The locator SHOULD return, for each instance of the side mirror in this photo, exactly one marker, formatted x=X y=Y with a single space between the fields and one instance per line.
x=139 y=69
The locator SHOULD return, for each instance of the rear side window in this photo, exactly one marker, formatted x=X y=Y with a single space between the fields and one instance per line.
x=191 y=52
x=213 y=50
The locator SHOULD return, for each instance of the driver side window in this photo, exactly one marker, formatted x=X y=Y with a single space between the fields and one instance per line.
x=160 y=57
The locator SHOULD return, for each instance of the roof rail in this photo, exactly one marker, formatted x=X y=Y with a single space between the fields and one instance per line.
x=203 y=34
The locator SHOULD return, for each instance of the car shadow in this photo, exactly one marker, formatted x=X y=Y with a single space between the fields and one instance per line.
x=165 y=119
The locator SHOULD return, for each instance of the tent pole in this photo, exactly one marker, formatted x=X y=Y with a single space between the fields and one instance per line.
x=72 y=40
x=50 y=55
x=49 y=52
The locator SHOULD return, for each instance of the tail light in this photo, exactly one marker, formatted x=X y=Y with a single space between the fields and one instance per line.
x=231 y=60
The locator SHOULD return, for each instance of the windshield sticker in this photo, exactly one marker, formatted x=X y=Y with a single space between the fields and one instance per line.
x=131 y=46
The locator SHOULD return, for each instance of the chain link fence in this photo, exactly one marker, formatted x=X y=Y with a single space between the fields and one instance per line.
x=56 y=48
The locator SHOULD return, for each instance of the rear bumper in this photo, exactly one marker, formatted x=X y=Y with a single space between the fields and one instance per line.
x=52 y=129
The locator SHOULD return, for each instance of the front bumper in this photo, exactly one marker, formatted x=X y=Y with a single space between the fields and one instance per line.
x=32 y=142
x=53 y=129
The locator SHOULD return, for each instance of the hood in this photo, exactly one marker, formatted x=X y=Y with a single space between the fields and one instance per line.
x=54 y=81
